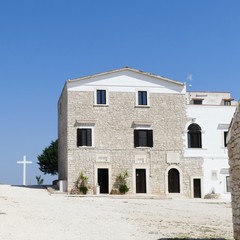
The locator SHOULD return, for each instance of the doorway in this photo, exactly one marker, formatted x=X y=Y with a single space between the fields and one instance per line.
x=141 y=181
x=173 y=181
x=197 y=188
x=103 y=180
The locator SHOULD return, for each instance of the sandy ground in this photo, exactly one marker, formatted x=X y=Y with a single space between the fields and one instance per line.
x=27 y=213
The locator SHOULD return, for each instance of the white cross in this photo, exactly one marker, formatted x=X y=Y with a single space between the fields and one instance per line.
x=24 y=162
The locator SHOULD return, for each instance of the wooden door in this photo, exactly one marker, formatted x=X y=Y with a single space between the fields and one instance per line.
x=173 y=181
x=140 y=180
x=197 y=188
x=103 y=180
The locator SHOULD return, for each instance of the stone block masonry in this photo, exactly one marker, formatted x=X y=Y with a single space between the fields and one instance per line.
x=234 y=162
x=114 y=139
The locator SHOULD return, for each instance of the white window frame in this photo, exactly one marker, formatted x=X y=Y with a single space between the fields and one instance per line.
x=95 y=97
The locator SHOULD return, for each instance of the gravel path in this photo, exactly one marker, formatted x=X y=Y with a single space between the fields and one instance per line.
x=27 y=213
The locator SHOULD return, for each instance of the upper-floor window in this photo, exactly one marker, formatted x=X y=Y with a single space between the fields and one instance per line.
x=84 y=137
x=228 y=186
x=225 y=133
x=227 y=102
x=194 y=136
x=101 y=97
x=143 y=138
x=198 y=101
x=142 y=98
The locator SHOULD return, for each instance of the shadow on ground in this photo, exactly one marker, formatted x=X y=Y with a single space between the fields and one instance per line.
x=32 y=186
x=192 y=239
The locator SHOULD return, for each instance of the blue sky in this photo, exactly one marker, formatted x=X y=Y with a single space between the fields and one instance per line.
x=44 y=43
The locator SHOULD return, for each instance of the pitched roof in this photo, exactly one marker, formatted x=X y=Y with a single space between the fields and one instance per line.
x=129 y=69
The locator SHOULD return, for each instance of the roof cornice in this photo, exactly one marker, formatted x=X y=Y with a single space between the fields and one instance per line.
x=129 y=69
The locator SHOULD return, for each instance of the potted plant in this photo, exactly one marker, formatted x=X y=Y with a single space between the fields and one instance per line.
x=122 y=182
x=83 y=184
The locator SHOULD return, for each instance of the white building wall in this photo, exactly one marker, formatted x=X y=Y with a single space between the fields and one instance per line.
x=213 y=120
x=126 y=81
x=210 y=98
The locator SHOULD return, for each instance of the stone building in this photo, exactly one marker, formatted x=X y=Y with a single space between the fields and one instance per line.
x=234 y=162
x=147 y=125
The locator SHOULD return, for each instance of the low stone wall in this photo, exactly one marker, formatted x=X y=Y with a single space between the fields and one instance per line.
x=234 y=162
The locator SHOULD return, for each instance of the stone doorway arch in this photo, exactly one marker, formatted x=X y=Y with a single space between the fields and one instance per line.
x=173 y=181
x=177 y=176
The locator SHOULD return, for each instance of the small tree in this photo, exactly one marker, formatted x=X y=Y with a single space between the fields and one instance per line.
x=122 y=182
x=48 y=160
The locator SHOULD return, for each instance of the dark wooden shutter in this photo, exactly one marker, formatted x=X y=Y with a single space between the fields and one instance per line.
x=139 y=98
x=142 y=138
x=136 y=138
x=98 y=96
x=79 y=137
x=89 y=137
x=101 y=96
x=84 y=137
x=144 y=98
x=150 y=138
x=200 y=140
x=225 y=138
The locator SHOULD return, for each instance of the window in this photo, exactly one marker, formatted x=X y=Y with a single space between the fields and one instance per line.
x=194 y=136
x=142 y=98
x=225 y=138
x=143 y=138
x=214 y=175
x=197 y=101
x=228 y=186
x=101 y=97
x=84 y=137
x=227 y=102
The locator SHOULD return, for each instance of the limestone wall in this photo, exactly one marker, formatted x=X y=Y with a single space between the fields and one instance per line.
x=113 y=138
x=62 y=135
x=234 y=162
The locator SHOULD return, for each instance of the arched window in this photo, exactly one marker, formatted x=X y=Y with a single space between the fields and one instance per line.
x=194 y=136
x=173 y=181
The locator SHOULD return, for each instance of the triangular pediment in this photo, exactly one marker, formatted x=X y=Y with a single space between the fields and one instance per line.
x=126 y=78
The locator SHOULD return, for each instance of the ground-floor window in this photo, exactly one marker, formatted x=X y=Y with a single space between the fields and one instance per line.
x=228 y=187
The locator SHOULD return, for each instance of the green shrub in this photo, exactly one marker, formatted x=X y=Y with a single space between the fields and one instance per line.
x=82 y=183
x=123 y=188
x=83 y=189
x=122 y=182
